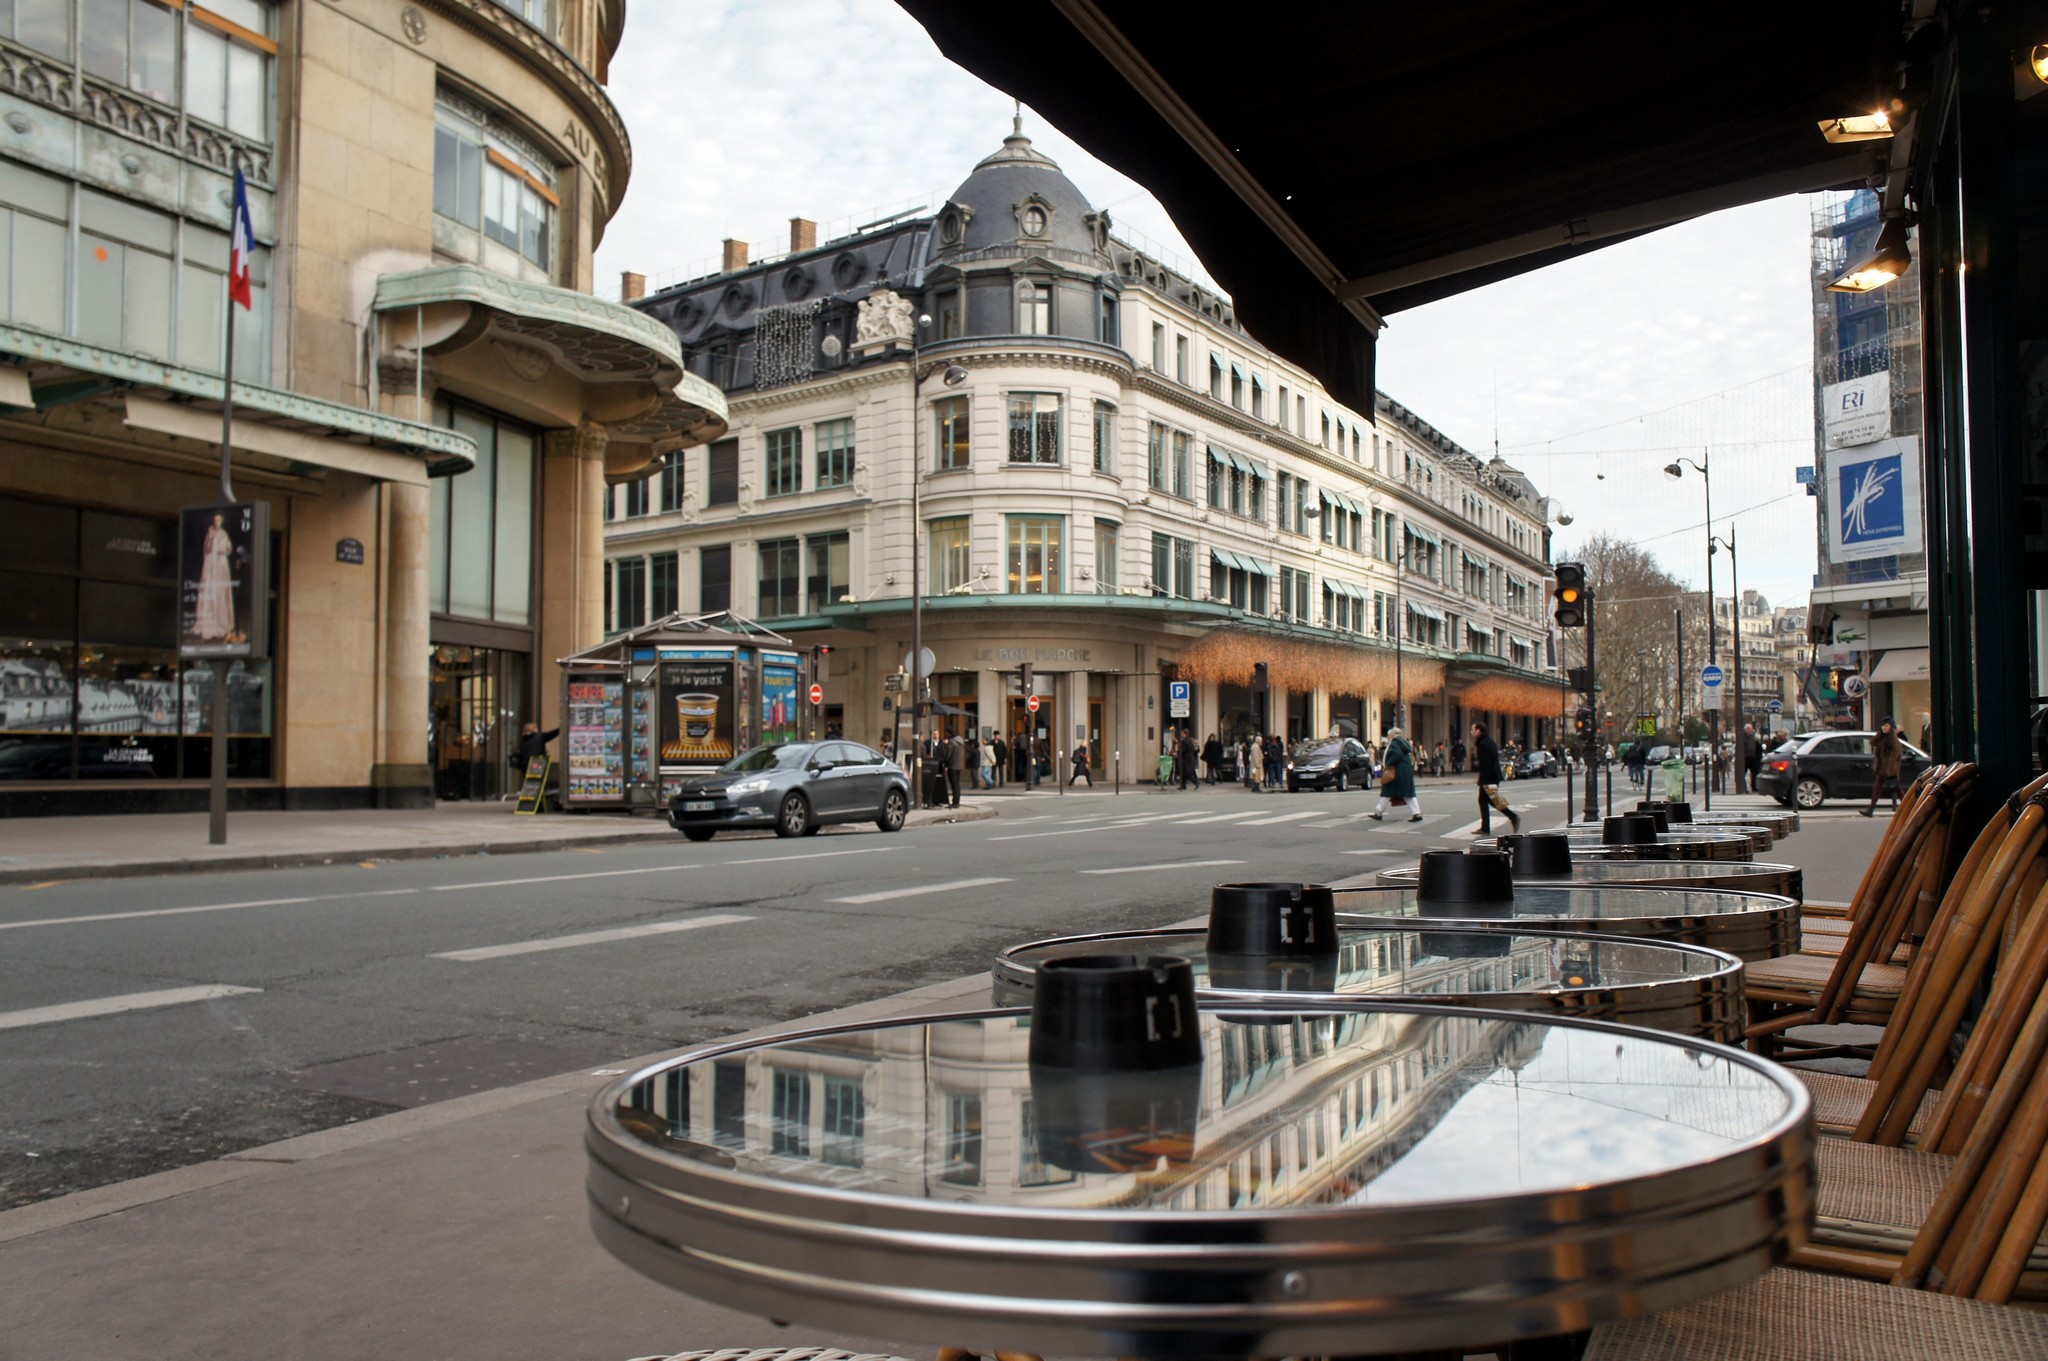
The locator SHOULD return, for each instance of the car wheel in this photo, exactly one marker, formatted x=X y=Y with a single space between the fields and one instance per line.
x=894 y=809
x=1343 y=781
x=794 y=817
x=1810 y=793
x=696 y=833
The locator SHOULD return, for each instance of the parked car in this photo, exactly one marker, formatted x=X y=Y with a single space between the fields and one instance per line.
x=794 y=787
x=1808 y=769
x=1535 y=764
x=1328 y=763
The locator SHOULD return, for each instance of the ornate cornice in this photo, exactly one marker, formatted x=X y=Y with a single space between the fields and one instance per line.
x=612 y=160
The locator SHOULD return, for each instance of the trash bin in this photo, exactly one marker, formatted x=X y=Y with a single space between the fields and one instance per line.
x=1674 y=780
x=936 y=792
x=1165 y=769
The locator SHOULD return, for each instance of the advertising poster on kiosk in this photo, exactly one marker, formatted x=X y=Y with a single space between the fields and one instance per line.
x=778 y=703
x=699 y=707
x=595 y=745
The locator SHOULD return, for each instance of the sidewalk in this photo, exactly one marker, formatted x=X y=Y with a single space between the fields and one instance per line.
x=34 y=850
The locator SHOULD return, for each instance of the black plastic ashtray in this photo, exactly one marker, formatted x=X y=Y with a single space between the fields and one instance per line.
x=1476 y=876
x=1114 y=1013
x=1287 y=921
x=1658 y=814
x=1629 y=829
x=1539 y=855
x=1680 y=811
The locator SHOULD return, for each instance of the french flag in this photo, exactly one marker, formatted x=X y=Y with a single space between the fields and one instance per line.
x=243 y=235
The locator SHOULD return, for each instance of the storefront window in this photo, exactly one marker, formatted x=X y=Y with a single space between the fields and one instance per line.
x=133 y=44
x=1034 y=556
x=482 y=556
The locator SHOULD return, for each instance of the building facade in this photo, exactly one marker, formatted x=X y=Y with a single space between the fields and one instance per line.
x=426 y=397
x=1080 y=462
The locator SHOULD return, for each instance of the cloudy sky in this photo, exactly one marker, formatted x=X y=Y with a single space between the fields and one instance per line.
x=1591 y=375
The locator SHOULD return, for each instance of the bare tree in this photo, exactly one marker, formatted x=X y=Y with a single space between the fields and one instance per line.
x=1641 y=610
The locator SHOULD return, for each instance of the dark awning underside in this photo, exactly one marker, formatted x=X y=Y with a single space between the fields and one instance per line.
x=1334 y=162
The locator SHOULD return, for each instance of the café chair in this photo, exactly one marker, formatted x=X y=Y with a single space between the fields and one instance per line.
x=1833 y=917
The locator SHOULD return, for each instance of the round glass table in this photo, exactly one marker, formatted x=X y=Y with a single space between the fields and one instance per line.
x=1341 y=1181
x=1747 y=876
x=1747 y=925
x=1781 y=823
x=1685 y=989
x=1718 y=845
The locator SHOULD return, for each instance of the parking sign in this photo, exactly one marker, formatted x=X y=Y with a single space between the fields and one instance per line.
x=1178 y=698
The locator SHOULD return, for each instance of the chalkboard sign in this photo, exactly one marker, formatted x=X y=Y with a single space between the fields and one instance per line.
x=533 y=794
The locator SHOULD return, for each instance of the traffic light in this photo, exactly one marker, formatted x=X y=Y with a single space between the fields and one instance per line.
x=823 y=656
x=1582 y=725
x=1571 y=595
x=1024 y=677
x=1259 y=678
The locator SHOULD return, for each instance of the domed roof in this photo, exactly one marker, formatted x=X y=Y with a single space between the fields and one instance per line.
x=1017 y=197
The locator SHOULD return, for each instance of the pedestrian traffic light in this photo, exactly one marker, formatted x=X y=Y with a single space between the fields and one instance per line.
x=1024 y=677
x=1259 y=678
x=1571 y=595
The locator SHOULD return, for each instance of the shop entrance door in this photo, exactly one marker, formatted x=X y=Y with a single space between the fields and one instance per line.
x=1095 y=752
x=477 y=697
x=1040 y=727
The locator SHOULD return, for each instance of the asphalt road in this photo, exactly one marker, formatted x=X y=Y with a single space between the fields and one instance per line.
x=153 y=1023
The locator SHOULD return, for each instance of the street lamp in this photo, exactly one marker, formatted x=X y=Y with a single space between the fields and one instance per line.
x=1400 y=620
x=953 y=376
x=1675 y=471
x=1735 y=631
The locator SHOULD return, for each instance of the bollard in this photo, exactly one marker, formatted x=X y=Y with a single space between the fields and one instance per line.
x=1570 y=806
x=1610 y=791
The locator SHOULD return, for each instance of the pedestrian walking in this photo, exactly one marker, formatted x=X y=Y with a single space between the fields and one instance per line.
x=956 y=760
x=1276 y=760
x=1212 y=758
x=1080 y=775
x=1190 y=776
x=988 y=764
x=1002 y=752
x=1884 y=765
x=1397 y=779
x=1752 y=760
x=1486 y=761
x=1247 y=766
x=1458 y=757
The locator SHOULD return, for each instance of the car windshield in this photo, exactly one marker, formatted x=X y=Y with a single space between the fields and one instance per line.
x=782 y=756
x=1326 y=749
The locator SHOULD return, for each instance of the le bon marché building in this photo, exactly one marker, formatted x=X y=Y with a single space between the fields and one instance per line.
x=1095 y=471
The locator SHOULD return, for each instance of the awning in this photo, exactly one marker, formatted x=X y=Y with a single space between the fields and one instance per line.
x=1426 y=611
x=1428 y=536
x=1259 y=381
x=1264 y=569
x=1237 y=370
x=1344 y=588
x=1225 y=558
x=1901 y=664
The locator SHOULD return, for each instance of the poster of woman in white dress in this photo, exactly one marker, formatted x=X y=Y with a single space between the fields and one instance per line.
x=223 y=556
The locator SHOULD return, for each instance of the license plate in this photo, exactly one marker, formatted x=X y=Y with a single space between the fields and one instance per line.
x=699 y=806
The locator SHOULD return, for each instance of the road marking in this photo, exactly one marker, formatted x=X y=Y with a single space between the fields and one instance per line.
x=111 y=1006
x=557 y=878
x=530 y=947
x=1374 y=850
x=1171 y=865
x=1218 y=817
x=916 y=891
x=1284 y=817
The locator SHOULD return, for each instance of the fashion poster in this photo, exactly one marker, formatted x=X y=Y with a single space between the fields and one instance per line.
x=223 y=580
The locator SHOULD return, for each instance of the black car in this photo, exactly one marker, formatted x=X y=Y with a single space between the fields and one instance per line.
x=1328 y=763
x=794 y=787
x=1811 y=768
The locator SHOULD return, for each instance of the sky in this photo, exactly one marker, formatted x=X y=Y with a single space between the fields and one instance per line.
x=1590 y=375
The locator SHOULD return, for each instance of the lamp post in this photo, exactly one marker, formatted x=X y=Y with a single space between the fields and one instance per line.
x=1674 y=471
x=1735 y=632
x=954 y=376
x=1400 y=619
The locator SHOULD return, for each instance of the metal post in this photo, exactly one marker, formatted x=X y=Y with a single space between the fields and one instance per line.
x=217 y=793
x=916 y=577
x=1593 y=699
x=1735 y=612
x=1713 y=652
x=1570 y=809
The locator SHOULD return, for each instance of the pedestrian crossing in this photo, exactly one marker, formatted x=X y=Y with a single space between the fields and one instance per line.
x=1261 y=815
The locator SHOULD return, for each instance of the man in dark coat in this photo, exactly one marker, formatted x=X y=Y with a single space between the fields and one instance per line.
x=1752 y=753
x=1189 y=774
x=1884 y=763
x=956 y=762
x=532 y=742
x=1486 y=761
x=1002 y=762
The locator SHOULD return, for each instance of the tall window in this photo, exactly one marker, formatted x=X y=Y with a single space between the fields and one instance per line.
x=949 y=566
x=481 y=521
x=1280 y=408
x=1215 y=376
x=845 y=1123
x=629 y=595
x=783 y=472
x=1034 y=309
x=662 y=597
x=1107 y=329
x=1034 y=427
x=828 y=562
x=1158 y=348
x=1180 y=358
x=722 y=473
x=672 y=480
x=835 y=453
x=1258 y=397
x=1106 y=532
x=951 y=447
x=133 y=44
x=714 y=579
x=489 y=178
x=1105 y=438
x=1237 y=385
x=950 y=326
x=636 y=498
x=539 y=13
x=790 y=1113
x=1155 y=457
x=1034 y=557
x=1173 y=567
x=960 y=1160
x=780 y=581
x=1183 y=465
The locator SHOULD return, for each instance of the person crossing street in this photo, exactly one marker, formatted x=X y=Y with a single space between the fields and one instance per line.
x=1397 y=785
x=1486 y=760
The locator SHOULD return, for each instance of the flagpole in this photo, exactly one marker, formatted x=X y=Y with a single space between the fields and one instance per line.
x=217 y=783
x=227 y=400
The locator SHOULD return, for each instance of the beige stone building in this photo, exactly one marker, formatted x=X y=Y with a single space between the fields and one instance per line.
x=427 y=398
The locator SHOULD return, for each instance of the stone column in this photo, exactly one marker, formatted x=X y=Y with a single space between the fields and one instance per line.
x=572 y=554
x=401 y=777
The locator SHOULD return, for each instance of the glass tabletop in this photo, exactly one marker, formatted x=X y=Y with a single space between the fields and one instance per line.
x=1599 y=873
x=1547 y=901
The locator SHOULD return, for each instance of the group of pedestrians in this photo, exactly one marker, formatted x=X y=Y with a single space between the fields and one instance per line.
x=1259 y=760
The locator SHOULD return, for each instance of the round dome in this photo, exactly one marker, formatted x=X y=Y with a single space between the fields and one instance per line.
x=1016 y=201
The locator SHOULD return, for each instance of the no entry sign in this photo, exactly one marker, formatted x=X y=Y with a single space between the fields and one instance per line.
x=817 y=694
x=1032 y=704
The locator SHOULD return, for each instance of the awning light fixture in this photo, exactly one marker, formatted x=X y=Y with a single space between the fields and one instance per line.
x=1858 y=127
x=1892 y=258
x=2038 y=60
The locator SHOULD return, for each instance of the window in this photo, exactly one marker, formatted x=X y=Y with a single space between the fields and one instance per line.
x=229 y=46
x=1258 y=397
x=1034 y=309
x=829 y=561
x=131 y=43
x=845 y=1124
x=960 y=1159
x=1107 y=328
x=1215 y=376
x=789 y=1113
x=783 y=473
x=488 y=178
x=629 y=595
x=949 y=543
x=636 y=498
x=1183 y=471
x=1158 y=348
x=1105 y=556
x=1173 y=567
x=672 y=484
x=950 y=447
x=1105 y=438
x=1180 y=358
x=835 y=453
x=778 y=583
x=1034 y=427
x=722 y=474
x=662 y=599
x=1326 y=430
x=1237 y=386
x=1280 y=408
x=1032 y=1169
x=481 y=522
x=1034 y=554
x=1155 y=456
x=539 y=13
x=1218 y=475
x=949 y=323
x=714 y=579
x=1301 y=415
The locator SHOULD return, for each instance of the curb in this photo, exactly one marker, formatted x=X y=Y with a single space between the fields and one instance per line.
x=280 y=860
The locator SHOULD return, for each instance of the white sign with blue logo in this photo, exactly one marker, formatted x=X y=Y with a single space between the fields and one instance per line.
x=1177 y=695
x=1711 y=677
x=1873 y=495
x=1776 y=706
